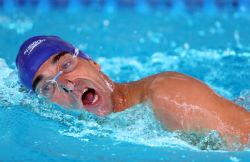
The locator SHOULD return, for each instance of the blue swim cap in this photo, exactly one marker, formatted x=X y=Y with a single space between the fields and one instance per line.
x=35 y=51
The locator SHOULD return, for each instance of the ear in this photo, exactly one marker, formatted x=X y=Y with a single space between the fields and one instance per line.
x=95 y=65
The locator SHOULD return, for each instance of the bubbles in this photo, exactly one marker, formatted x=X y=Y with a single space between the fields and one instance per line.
x=201 y=33
x=244 y=99
x=186 y=46
x=19 y=24
x=237 y=39
x=210 y=141
x=106 y=23
x=234 y=159
x=9 y=89
x=154 y=37
x=137 y=125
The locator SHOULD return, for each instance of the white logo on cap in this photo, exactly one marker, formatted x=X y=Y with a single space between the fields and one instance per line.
x=33 y=45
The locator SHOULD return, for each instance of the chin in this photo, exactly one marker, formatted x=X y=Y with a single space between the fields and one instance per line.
x=102 y=113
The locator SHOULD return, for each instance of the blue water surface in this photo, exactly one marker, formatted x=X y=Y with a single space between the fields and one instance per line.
x=214 y=48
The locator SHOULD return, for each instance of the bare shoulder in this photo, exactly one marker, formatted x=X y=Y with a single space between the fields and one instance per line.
x=175 y=80
x=175 y=97
x=178 y=86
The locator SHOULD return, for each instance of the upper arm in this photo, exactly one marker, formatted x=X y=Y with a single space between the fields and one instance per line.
x=181 y=101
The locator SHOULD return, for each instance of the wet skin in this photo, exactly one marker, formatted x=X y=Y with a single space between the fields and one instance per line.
x=179 y=101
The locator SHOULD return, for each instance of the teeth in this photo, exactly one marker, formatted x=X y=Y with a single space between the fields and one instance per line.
x=95 y=99
x=85 y=90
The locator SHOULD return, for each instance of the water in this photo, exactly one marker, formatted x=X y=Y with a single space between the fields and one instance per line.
x=128 y=46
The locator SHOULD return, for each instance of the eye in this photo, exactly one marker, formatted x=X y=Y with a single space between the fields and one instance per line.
x=68 y=64
x=47 y=89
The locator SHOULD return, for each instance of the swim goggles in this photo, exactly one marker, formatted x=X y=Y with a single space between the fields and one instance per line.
x=66 y=64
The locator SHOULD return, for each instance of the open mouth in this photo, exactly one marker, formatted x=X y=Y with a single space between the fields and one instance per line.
x=89 y=97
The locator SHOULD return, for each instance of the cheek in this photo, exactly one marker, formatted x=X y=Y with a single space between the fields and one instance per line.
x=62 y=99
x=84 y=71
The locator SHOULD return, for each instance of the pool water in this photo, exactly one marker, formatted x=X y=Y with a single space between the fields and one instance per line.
x=214 y=48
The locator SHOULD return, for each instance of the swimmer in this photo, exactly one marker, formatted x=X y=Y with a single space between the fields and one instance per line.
x=55 y=69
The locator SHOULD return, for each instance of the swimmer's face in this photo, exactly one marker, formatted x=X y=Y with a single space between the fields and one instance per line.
x=83 y=86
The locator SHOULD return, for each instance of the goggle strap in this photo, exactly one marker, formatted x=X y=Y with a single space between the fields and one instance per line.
x=76 y=52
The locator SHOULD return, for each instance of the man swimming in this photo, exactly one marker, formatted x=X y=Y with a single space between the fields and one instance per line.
x=58 y=71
